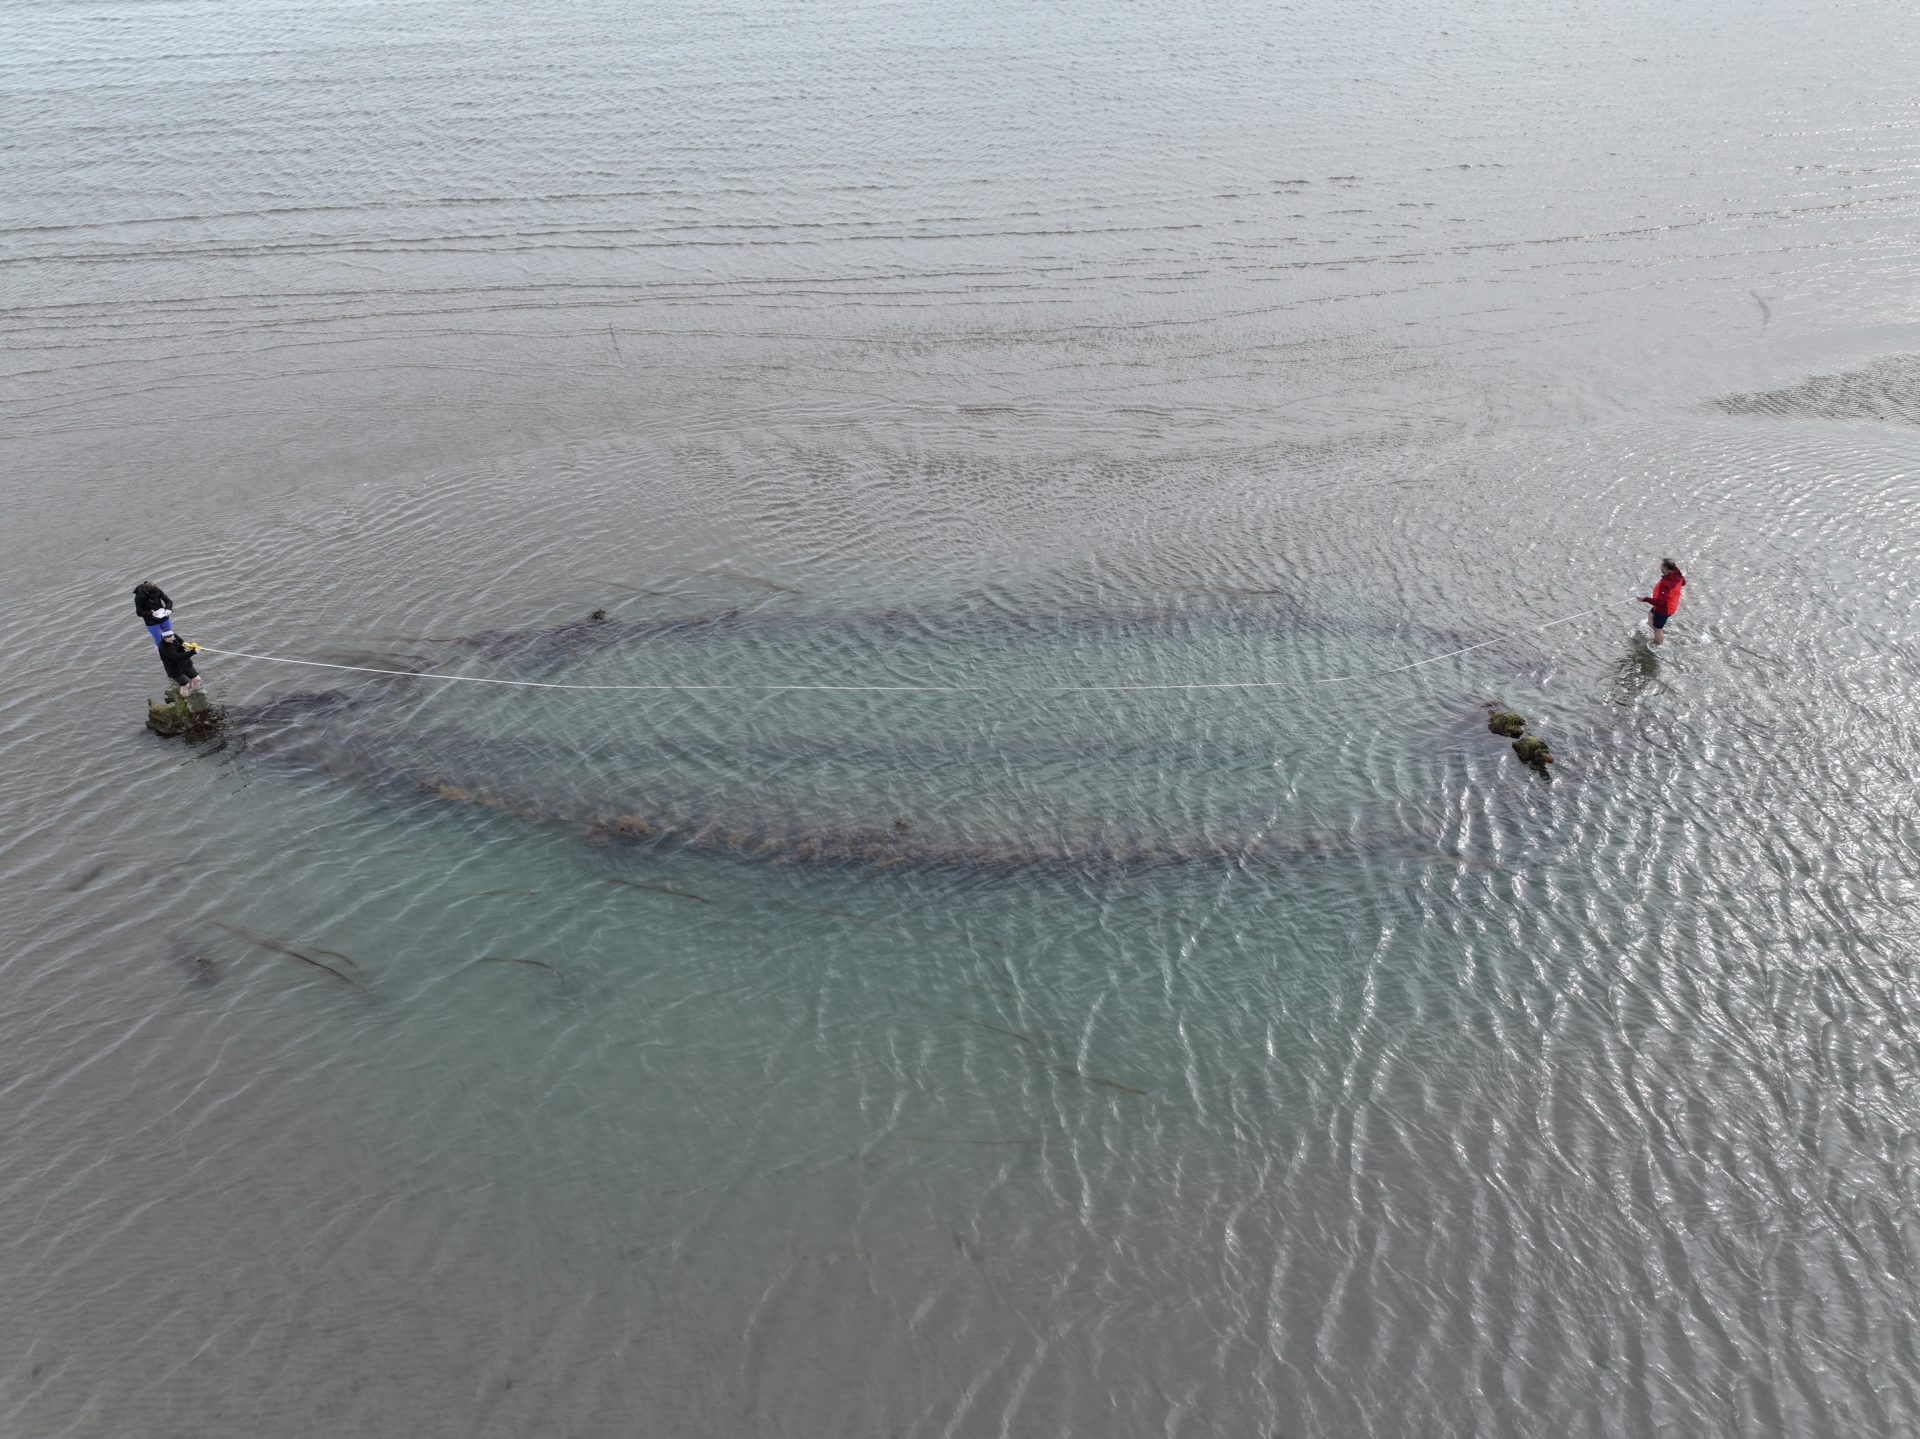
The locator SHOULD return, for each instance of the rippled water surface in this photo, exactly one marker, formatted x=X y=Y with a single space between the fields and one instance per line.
x=986 y=1041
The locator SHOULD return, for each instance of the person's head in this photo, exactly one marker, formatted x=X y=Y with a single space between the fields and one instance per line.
x=1669 y=567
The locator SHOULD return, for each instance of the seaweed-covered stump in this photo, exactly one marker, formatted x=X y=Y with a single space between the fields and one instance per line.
x=181 y=716
x=1533 y=750
x=1507 y=723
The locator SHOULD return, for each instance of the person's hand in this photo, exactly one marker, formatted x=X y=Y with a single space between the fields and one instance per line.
x=161 y=614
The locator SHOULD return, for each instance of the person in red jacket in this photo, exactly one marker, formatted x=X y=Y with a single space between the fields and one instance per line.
x=1665 y=598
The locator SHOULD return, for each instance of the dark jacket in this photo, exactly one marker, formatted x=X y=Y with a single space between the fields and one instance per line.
x=147 y=599
x=178 y=663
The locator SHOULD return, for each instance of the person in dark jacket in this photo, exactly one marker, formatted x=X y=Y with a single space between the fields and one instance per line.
x=176 y=657
x=150 y=602
x=1665 y=598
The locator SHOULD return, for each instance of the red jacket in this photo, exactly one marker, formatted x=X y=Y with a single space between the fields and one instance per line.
x=1665 y=598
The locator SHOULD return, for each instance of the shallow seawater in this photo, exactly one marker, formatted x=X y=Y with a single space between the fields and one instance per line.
x=986 y=1035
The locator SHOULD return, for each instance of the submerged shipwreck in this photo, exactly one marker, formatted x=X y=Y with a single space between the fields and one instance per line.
x=362 y=737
